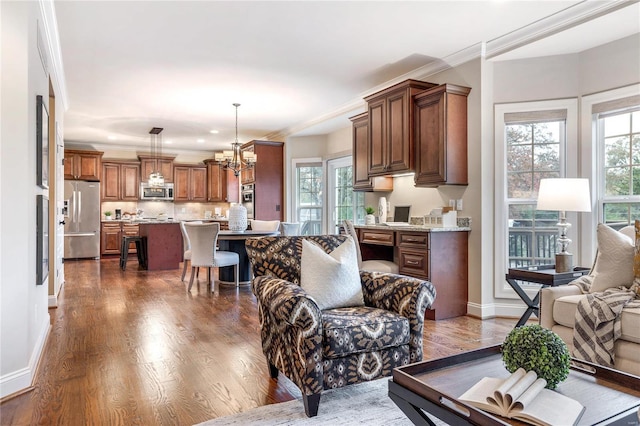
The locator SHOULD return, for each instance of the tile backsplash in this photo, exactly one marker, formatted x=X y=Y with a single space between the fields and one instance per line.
x=179 y=211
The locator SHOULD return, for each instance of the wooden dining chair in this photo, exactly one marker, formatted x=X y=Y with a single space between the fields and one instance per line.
x=204 y=238
x=186 y=246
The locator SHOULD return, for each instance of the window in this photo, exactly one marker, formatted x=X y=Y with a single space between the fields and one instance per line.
x=344 y=203
x=532 y=143
x=619 y=154
x=533 y=153
x=309 y=197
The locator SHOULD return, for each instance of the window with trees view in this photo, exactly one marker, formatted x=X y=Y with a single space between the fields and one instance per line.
x=619 y=143
x=309 y=196
x=344 y=203
x=532 y=153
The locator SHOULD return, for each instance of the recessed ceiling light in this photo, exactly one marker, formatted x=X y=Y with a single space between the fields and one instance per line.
x=214 y=132
x=200 y=141
x=169 y=142
x=112 y=138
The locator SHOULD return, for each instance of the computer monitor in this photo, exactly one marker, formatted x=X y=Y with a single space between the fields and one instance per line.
x=401 y=213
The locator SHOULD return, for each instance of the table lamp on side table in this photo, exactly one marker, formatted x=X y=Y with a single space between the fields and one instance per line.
x=564 y=194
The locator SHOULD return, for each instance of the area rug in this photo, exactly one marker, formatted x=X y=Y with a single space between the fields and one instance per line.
x=365 y=403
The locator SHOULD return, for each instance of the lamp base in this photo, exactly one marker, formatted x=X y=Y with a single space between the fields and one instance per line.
x=564 y=262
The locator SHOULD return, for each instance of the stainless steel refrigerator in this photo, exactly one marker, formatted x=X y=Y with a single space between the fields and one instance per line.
x=82 y=219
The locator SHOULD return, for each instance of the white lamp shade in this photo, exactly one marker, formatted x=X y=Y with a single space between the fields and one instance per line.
x=564 y=194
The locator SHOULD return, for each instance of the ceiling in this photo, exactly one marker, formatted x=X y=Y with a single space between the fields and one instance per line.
x=296 y=67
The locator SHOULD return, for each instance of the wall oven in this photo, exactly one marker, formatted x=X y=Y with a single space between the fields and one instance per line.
x=247 y=194
x=156 y=193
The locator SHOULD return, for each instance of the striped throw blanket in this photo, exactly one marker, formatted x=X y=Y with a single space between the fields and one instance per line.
x=598 y=324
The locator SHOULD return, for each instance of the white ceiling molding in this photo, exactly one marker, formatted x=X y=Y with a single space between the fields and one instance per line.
x=554 y=24
x=358 y=105
x=50 y=23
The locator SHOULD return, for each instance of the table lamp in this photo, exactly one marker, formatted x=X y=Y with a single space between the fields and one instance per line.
x=563 y=195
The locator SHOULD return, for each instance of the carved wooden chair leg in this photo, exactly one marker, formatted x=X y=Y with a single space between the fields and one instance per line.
x=311 y=403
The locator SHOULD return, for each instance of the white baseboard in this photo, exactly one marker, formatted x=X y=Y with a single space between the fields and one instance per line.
x=492 y=310
x=21 y=379
x=53 y=301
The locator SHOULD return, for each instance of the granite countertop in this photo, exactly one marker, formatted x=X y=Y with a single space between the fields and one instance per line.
x=415 y=228
x=143 y=221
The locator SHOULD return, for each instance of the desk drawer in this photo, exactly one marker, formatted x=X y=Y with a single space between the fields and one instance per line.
x=414 y=263
x=383 y=238
x=416 y=239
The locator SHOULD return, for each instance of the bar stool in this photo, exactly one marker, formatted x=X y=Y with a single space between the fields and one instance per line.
x=141 y=249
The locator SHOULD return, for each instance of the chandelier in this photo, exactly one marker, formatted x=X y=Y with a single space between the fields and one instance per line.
x=235 y=159
x=155 y=177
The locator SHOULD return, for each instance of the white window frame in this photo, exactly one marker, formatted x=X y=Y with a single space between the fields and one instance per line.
x=568 y=167
x=294 y=187
x=591 y=162
x=332 y=165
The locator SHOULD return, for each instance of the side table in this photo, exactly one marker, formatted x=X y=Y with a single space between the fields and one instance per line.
x=539 y=274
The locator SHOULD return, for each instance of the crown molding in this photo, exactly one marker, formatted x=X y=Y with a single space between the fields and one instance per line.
x=560 y=21
x=565 y=19
x=50 y=23
x=358 y=105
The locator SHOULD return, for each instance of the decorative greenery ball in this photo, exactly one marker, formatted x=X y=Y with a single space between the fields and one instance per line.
x=538 y=349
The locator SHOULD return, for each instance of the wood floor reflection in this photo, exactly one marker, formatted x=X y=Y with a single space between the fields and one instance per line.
x=133 y=348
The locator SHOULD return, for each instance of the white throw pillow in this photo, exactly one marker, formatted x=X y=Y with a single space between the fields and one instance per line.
x=333 y=279
x=614 y=264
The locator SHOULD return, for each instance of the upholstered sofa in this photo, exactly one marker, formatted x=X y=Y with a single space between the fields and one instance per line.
x=322 y=349
x=558 y=305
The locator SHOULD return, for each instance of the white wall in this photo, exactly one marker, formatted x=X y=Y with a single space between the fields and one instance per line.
x=24 y=318
x=602 y=68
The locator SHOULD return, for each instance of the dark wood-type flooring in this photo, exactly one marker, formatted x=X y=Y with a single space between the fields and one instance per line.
x=133 y=348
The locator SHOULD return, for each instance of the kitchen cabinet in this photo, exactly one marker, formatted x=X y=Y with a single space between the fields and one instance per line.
x=361 y=179
x=441 y=136
x=268 y=179
x=248 y=175
x=82 y=165
x=149 y=164
x=190 y=183
x=120 y=181
x=440 y=257
x=222 y=184
x=111 y=236
x=390 y=132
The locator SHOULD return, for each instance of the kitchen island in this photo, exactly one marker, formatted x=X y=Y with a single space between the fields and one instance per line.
x=164 y=244
x=437 y=254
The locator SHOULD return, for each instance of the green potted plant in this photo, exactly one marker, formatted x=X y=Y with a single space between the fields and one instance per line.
x=538 y=349
x=369 y=219
x=107 y=215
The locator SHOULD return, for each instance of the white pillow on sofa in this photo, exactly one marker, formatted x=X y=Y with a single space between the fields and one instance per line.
x=333 y=280
x=614 y=264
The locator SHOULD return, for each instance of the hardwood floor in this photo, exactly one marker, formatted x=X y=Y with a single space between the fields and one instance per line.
x=133 y=348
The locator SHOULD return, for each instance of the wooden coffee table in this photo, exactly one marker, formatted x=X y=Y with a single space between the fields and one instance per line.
x=430 y=389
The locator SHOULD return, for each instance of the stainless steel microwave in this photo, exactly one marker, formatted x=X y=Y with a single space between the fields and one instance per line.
x=156 y=193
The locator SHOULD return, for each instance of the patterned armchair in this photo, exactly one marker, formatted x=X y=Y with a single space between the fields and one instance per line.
x=320 y=350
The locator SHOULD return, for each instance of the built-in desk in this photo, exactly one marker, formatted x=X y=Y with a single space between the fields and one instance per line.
x=439 y=255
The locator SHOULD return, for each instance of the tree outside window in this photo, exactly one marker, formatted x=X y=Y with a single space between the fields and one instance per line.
x=620 y=138
x=533 y=153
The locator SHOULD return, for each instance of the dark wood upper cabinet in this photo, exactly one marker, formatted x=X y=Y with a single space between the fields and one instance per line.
x=441 y=136
x=149 y=163
x=361 y=179
x=222 y=184
x=120 y=181
x=390 y=116
x=190 y=183
x=82 y=165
